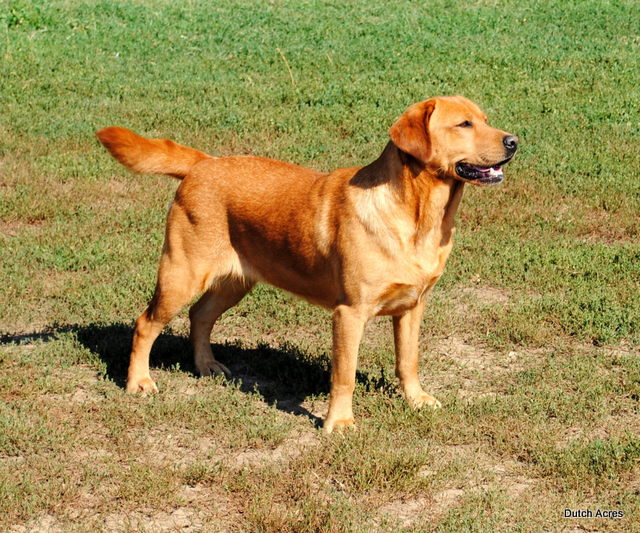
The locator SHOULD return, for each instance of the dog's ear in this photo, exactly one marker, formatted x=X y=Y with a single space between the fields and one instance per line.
x=410 y=133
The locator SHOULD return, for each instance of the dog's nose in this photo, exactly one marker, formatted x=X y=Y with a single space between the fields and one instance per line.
x=510 y=142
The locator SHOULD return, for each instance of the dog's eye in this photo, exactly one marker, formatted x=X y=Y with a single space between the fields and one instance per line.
x=465 y=124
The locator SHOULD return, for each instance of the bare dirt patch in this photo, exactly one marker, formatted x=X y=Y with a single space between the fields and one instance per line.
x=483 y=473
x=118 y=194
x=43 y=524
x=463 y=353
x=603 y=227
x=290 y=449
x=197 y=508
x=13 y=228
x=488 y=295
x=612 y=426
x=467 y=367
x=471 y=368
x=180 y=519
x=164 y=446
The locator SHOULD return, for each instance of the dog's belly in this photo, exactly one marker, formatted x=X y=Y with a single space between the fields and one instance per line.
x=315 y=286
x=289 y=264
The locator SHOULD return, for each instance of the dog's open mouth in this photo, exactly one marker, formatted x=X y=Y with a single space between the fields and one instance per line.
x=481 y=175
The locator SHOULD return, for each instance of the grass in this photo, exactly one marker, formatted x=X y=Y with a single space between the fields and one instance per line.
x=531 y=340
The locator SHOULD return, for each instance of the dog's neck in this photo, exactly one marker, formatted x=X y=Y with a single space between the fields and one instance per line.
x=429 y=199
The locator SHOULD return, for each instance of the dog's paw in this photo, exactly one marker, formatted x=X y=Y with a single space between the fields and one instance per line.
x=338 y=425
x=213 y=368
x=424 y=400
x=143 y=385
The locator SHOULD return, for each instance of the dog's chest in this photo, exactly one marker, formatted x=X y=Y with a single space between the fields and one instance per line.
x=397 y=298
x=411 y=279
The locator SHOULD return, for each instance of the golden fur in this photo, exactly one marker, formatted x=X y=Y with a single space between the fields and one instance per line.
x=360 y=241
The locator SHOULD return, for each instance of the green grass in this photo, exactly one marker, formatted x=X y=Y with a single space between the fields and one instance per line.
x=531 y=340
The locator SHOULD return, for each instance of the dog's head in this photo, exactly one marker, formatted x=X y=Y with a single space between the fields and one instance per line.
x=450 y=135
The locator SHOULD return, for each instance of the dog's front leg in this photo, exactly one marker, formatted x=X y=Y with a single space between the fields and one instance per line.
x=348 y=325
x=406 y=335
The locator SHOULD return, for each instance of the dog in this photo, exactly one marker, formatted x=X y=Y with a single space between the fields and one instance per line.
x=362 y=242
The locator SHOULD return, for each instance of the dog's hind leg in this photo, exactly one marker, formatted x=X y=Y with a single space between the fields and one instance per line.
x=223 y=294
x=178 y=282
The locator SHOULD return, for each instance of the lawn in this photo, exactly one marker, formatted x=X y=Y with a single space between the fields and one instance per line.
x=531 y=340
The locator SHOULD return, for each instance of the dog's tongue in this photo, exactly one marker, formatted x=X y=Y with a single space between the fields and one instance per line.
x=492 y=171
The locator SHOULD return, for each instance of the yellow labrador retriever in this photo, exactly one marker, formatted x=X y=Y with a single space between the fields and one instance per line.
x=362 y=241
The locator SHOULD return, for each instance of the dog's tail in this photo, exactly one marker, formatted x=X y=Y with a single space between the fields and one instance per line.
x=149 y=156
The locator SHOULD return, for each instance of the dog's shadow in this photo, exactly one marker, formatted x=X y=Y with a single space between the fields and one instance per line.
x=285 y=376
